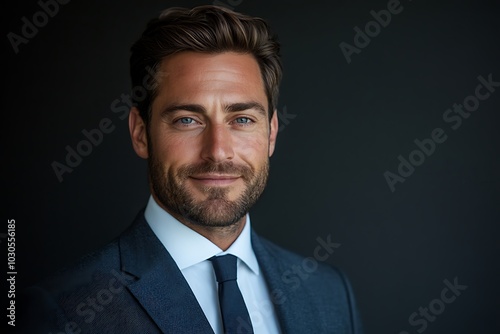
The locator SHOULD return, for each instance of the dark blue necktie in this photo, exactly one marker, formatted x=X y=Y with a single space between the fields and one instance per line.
x=235 y=315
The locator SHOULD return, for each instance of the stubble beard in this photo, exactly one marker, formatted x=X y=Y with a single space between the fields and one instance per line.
x=216 y=210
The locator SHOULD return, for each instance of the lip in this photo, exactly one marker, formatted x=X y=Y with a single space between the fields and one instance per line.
x=215 y=179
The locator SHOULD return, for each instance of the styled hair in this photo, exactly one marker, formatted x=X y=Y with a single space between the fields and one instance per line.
x=205 y=29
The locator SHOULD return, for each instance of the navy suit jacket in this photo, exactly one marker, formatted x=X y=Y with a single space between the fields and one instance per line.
x=133 y=285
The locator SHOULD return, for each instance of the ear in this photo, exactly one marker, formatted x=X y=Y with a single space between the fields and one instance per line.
x=273 y=133
x=137 y=129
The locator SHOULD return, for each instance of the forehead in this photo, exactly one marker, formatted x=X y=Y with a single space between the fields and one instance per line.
x=190 y=63
x=225 y=75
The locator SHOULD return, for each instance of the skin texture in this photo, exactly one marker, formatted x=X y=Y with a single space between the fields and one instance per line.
x=209 y=141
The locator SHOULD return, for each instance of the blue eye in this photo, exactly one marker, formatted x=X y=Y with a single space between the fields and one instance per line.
x=243 y=120
x=186 y=120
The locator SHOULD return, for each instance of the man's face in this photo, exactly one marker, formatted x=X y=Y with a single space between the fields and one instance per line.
x=209 y=139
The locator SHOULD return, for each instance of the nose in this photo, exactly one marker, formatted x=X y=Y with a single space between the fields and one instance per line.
x=217 y=144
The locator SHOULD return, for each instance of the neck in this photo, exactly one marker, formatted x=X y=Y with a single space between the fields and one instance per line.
x=222 y=236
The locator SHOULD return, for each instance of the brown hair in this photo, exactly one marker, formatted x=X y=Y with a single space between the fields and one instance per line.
x=206 y=29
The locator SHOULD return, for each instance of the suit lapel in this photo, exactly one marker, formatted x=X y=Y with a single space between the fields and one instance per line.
x=294 y=313
x=165 y=295
x=160 y=286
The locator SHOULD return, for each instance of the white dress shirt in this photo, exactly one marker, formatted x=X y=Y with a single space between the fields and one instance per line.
x=191 y=251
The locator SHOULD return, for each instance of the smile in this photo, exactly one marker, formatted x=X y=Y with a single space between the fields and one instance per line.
x=215 y=179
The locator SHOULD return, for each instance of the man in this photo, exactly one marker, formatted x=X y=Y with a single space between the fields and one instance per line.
x=190 y=263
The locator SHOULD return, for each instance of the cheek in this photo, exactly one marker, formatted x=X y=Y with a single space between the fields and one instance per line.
x=253 y=149
x=175 y=150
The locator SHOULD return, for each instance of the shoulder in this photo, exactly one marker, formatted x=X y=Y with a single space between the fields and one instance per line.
x=88 y=273
x=85 y=269
x=99 y=264
x=322 y=290
x=76 y=291
x=315 y=264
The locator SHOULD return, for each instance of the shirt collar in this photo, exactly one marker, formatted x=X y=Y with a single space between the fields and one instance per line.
x=188 y=247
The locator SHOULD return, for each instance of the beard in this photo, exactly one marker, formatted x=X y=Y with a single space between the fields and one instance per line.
x=216 y=210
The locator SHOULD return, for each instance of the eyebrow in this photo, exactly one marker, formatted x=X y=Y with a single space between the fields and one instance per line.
x=197 y=108
x=246 y=106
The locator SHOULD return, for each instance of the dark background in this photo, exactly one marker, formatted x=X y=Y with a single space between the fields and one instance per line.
x=351 y=123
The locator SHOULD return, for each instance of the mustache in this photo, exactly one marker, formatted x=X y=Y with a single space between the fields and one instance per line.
x=206 y=167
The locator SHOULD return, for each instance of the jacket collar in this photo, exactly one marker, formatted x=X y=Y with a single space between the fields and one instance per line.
x=290 y=301
x=159 y=287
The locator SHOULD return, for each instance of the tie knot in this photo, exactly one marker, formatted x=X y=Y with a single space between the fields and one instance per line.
x=224 y=267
